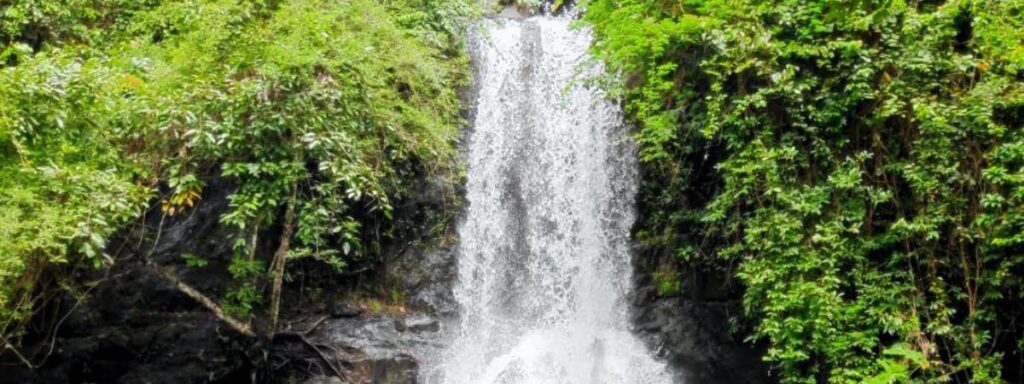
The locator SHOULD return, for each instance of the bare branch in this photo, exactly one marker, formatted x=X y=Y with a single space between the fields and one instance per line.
x=188 y=290
x=12 y=348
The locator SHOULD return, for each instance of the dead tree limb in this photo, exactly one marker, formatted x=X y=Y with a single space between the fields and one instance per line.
x=199 y=297
x=13 y=349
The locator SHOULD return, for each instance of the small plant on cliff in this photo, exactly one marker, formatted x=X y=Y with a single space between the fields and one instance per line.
x=667 y=283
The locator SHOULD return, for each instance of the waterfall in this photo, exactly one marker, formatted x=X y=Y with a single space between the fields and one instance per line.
x=544 y=260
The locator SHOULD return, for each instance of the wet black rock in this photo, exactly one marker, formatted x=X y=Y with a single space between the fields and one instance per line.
x=135 y=329
x=426 y=276
x=344 y=310
x=378 y=349
x=418 y=323
x=694 y=337
x=691 y=332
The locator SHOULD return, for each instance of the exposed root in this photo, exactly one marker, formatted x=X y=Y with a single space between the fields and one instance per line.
x=329 y=362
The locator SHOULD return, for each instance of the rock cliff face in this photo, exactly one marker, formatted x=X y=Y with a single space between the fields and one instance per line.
x=136 y=327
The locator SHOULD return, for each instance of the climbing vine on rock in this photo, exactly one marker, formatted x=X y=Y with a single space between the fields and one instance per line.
x=859 y=162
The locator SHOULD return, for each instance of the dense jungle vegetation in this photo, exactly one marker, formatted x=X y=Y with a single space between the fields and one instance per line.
x=312 y=110
x=857 y=165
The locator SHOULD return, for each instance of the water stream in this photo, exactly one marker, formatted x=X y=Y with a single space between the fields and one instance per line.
x=544 y=263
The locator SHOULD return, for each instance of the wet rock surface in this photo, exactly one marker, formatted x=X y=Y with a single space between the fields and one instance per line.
x=694 y=337
x=691 y=331
x=378 y=349
x=135 y=329
x=426 y=277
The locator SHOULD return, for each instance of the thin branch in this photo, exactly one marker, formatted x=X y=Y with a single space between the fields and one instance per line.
x=188 y=290
x=314 y=326
x=12 y=348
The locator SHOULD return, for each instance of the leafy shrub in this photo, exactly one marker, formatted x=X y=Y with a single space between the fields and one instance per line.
x=310 y=107
x=63 y=187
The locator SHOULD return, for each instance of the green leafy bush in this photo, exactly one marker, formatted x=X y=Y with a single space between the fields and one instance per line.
x=63 y=187
x=860 y=162
x=314 y=110
x=310 y=107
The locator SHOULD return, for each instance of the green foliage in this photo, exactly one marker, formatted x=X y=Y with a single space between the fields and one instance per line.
x=521 y=3
x=193 y=261
x=314 y=103
x=897 y=363
x=324 y=108
x=860 y=162
x=32 y=25
x=63 y=187
x=667 y=283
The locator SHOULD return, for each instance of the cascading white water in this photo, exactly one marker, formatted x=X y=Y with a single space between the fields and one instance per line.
x=544 y=263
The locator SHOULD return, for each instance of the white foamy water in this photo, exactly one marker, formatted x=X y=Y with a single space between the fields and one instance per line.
x=544 y=263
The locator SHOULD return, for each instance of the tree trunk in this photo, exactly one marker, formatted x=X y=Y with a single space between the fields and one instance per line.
x=277 y=265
